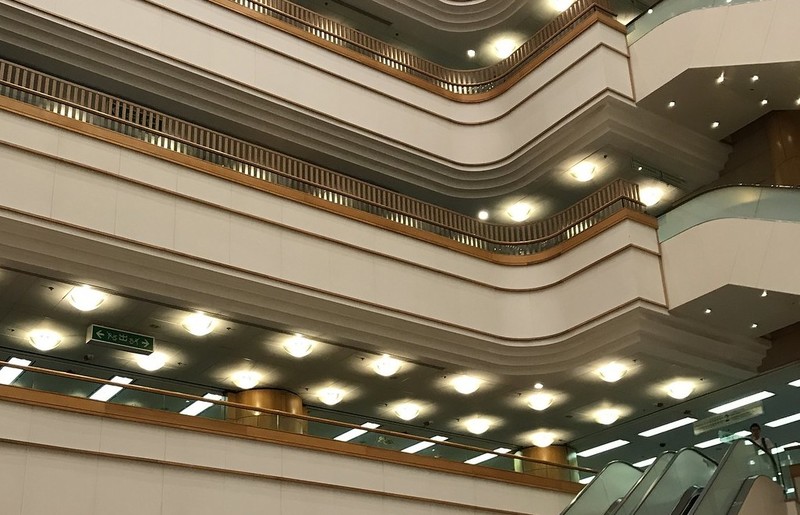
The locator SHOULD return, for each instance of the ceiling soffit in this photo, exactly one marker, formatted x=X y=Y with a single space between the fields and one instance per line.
x=455 y=15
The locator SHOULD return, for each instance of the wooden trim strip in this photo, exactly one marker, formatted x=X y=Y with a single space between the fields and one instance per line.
x=222 y=428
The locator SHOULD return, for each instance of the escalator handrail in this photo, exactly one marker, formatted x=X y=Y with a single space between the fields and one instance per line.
x=644 y=475
x=585 y=489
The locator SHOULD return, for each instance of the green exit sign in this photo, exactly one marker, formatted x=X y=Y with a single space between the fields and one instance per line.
x=123 y=340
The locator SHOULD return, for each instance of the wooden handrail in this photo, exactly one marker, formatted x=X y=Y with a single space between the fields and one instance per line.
x=89 y=106
x=464 y=82
x=270 y=411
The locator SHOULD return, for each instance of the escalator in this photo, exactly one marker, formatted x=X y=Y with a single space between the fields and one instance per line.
x=609 y=485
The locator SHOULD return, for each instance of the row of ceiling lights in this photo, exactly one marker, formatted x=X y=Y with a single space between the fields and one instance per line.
x=85 y=298
x=582 y=172
x=753 y=325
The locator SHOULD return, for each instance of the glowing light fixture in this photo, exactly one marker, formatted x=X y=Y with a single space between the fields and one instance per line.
x=612 y=372
x=355 y=433
x=717 y=441
x=671 y=104
x=714 y=124
x=795 y=383
x=246 y=379
x=586 y=480
x=764 y=102
x=543 y=439
x=477 y=426
x=386 y=366
x=483 y=215
x=10 y=374
x=540 y=401
x=783 y=421
x=606 y=416
x=651 y=195
x=538 y=386
x=44 y=339
x=744 y=401
x=680 y=389
x=721 y=78
x=298 y=346
x=470 y=53
x=668 y=427
x=561 y=5
x=764 y=293
x=151 y=362
x=644 y=463
x=707 y=311
x=504 y=47
x=603 y=448
x=754 y=78
x=583 y=171
x=85 y=298
x=407 y=410
x=486 y=456
x=198 y=407
x=520 y=211
x=754 y=326
x=198 y=324
x=107 y=391
x=331 y=396
x=421 y=446
x=466 y=384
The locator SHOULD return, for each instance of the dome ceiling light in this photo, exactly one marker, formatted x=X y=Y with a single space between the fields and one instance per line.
x=466 y=385
x=198 y=324
x=582 y=172
x=651 y=195
x=85 y=298
x=612 y=372
x=483 y=215
x=331 y=396
x=520 y=211
x=386 y=366
x=543 y=439
x=478 y=425
x=44 y=339
x=298 y=346
x=151 y=362
x=246 y=379
x=540 y=401
x=407 y=410
x=504 y=47
x=680 y=389
x=561 y=5
x=606 y=416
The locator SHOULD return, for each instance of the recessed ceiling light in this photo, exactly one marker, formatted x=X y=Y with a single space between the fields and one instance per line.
x=721 y=78
x=151 y=362
x=651 y=195
x=795 y=383
x=714 y=125
x=298 y=346
x=644 y=463
x=85 y=298
x=606 y=416
x=519 y=212
x=754 y=78
x=355 y=433
x=386 y=366
x=486 y=456
x=330 y=396
x=797 y=102
x=470 y=53
x=477 y=426
x=9 y=374
x=538 y=386
x=764 y=102
x=198 y=407
x=198 y=324
x=650 y=11
x=639 y=168
x=407 y=410
x=612 y=372
x=540 y=401
x=754 y=326
x=717 y=441
x=680 y=389
x=466 y=384
x=543 y=439
x=671 y=104
x=582 y=172
x=421 y=446
x=44 y=339
x=246 y=379
x=602 y=448
x=783 y=421
x=744 y=401
x=707 y=311
x=668 y=427
x=483 y=215
x=107 y=391
x=504 y=47
x=764 y=293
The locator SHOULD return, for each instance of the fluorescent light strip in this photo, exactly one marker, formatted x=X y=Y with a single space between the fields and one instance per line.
x=198 y=407
x=603 y=448
x=795 y=383
x=645 y=463
x=355 y=433
x=744 y=401
x=668 y=427
x=107 y=391
x=790 y=445
x=9 y=374
x=486 y=457
x=717 y=441
x=586 y=480
x=783 y=421
x=420 y=446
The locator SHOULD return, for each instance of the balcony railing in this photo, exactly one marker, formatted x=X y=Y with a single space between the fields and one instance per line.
x=460 y=82
x=180 y=409
x=92 y=107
